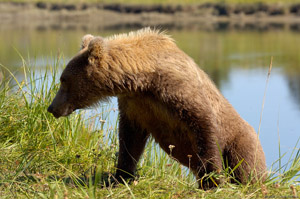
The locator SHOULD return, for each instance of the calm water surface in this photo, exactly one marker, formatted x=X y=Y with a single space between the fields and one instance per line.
x=237 y=61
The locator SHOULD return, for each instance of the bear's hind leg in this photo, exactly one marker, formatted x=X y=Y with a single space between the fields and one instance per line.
x=209 y=161
x=251 y=156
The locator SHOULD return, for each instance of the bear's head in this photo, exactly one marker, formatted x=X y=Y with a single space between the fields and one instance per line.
x=79 y=88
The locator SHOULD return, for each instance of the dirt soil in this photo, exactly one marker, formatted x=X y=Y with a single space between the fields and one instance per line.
x=208 y=16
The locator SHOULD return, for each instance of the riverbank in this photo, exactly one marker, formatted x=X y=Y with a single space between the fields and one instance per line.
x=210 y=16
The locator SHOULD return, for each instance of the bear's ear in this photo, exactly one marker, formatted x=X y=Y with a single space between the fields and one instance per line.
x=85 y=41
x=96 y=48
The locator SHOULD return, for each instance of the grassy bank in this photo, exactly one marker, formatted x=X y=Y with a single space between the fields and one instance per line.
x=42 y=157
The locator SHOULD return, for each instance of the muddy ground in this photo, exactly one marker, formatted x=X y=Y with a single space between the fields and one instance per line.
x=208 y=16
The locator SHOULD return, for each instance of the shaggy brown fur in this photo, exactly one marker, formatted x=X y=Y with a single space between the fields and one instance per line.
x=163 y=93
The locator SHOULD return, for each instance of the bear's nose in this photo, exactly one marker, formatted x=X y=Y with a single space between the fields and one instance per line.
x=50 y=109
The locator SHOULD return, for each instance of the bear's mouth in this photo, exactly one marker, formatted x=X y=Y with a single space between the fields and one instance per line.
x=57 y=113
x=68 y=111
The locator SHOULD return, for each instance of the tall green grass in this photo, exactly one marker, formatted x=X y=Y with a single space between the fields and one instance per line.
x=44 y=157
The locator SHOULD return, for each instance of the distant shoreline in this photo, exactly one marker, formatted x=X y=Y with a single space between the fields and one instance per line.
x=209 y=16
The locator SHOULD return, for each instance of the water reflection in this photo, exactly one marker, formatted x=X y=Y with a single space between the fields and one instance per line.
x=236 y=60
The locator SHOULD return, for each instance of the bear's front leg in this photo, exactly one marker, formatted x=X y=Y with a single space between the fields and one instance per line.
x=132 y=141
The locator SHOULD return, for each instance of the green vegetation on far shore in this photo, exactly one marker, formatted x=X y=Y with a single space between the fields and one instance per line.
x=42 y=157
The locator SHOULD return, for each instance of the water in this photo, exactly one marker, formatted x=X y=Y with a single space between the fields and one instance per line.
x=237 y=61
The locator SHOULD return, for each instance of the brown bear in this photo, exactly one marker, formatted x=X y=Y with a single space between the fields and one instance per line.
x=163 y=93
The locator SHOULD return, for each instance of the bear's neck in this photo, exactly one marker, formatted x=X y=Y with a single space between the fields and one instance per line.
x=128 y=72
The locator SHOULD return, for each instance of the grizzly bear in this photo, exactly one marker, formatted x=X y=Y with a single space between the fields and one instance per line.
x=163 y=93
